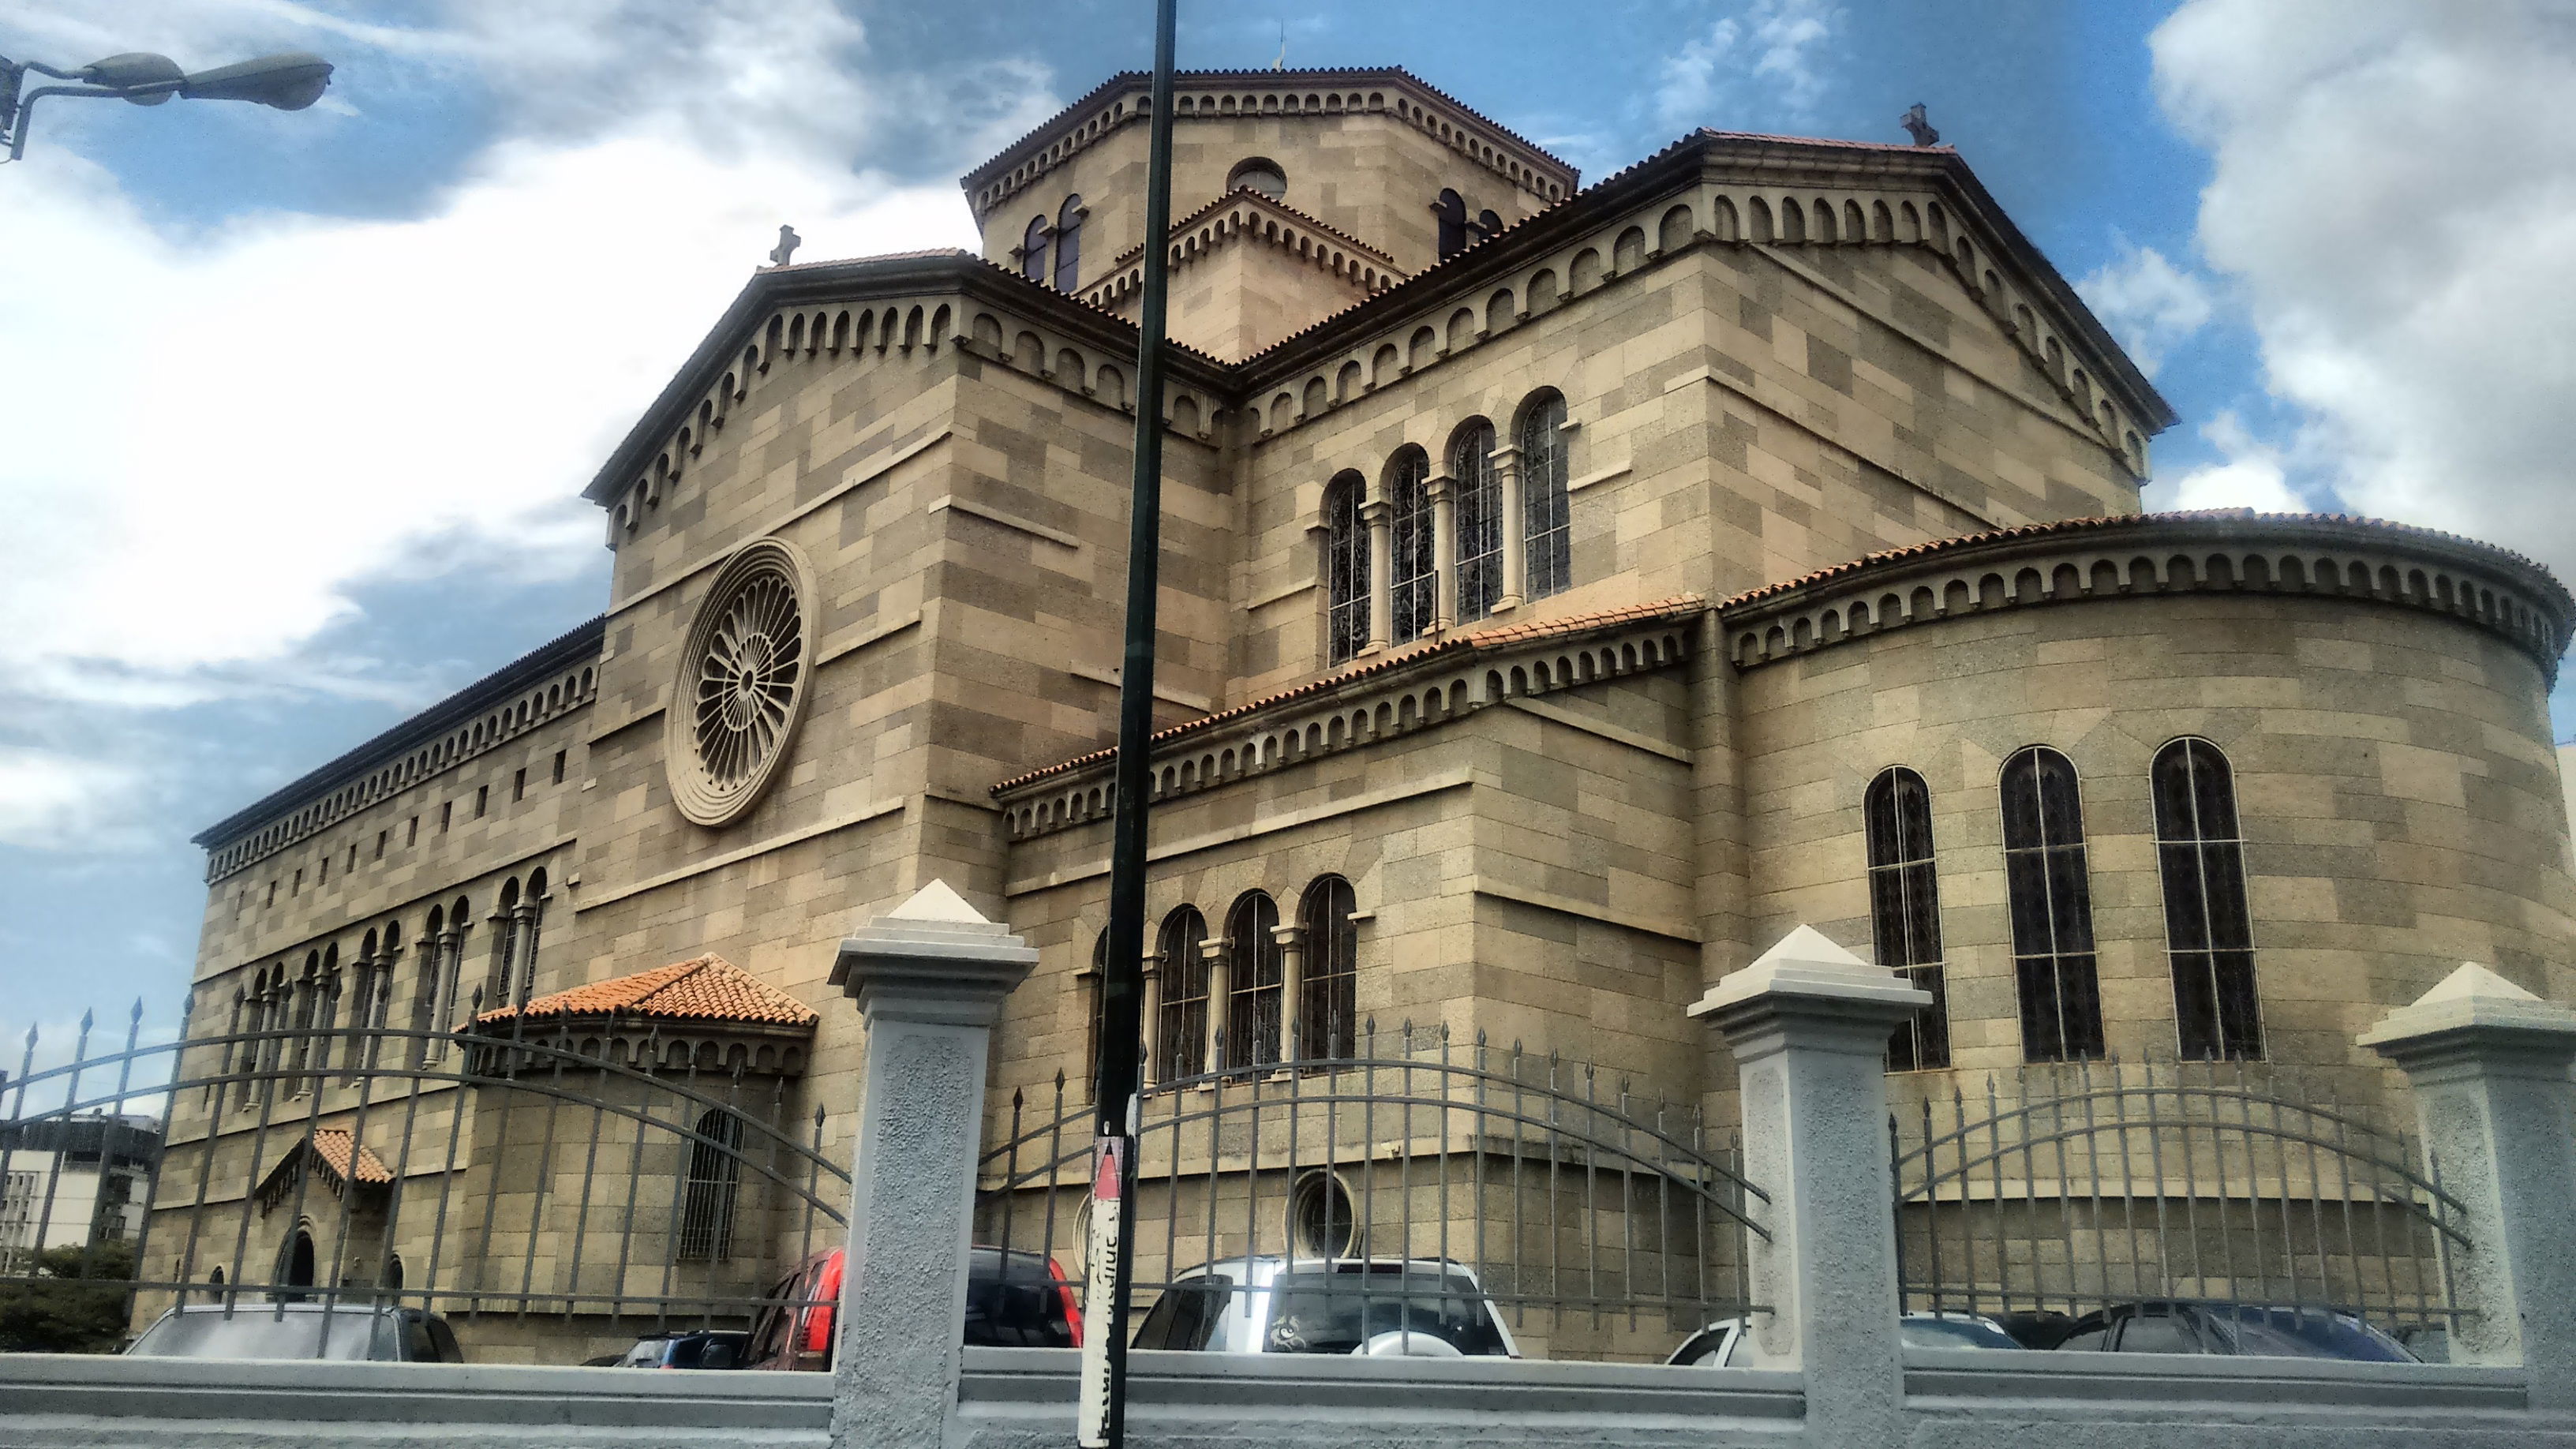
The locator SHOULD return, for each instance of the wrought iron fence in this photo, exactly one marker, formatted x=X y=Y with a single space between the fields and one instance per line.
x=539 y=1188
x=2066 y=1190
x=1487 y=1186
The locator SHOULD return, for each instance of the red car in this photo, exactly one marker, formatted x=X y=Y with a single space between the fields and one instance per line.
x=1014 y=1299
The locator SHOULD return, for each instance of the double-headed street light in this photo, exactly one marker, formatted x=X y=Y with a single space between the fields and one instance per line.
x=289 y=82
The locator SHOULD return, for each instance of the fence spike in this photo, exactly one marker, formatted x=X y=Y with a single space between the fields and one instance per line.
x=87 y=1019
x=818 y=1116
x=136 y=1015
x=1015 y=1099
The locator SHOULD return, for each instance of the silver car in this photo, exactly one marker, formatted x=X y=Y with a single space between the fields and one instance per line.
x=1413 y=1307
x=1727 y=1343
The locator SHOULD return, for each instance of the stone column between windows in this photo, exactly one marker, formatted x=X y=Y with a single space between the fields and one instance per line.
x=1507 y=479
x=1220 y=990
x=1444 y=551
x=1292 y=987
x=1153 y=1010
x=1381 y=590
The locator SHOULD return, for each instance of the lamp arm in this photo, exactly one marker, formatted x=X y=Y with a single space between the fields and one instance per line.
x=27 y=105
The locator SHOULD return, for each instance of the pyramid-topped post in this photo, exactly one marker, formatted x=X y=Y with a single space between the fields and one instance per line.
x=1808 y=1022
x=929 y=977
x=2489 y=1064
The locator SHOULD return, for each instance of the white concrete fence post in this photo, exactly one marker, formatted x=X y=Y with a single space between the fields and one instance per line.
x=2489 y=1065
x=929 y=978
x=1808 y=1023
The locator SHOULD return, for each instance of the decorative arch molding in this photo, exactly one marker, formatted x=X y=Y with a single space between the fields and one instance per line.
x=2222 y=552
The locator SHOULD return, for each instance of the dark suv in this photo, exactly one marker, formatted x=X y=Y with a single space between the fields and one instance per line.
x=1014 y=1299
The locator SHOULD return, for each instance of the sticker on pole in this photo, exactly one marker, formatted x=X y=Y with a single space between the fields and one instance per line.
x=1100 y=1275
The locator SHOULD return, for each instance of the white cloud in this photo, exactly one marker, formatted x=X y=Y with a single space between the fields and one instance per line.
x=2150 y=304
x=2394 y=199
x=1758 y=70
x=50 y=800
x=218 y=435
x=2250 y=474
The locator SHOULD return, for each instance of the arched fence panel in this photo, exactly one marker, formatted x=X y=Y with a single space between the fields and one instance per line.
x=2059 y=1191
x=1590 y=1221
x=542 y=1191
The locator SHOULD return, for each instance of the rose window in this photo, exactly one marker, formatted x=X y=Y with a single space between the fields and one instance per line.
x=741 y=685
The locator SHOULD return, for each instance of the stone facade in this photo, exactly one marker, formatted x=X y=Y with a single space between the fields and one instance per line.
x=1789 y=372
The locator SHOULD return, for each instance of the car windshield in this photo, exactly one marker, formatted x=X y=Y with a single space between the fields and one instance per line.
x=2290 y=1333
x=257 y=1331
x=1339 y=1309
x=1953 y=1333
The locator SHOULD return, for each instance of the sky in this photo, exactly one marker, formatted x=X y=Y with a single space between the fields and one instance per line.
x=298 y=406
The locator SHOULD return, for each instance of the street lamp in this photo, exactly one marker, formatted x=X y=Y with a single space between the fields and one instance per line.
x=288 y=82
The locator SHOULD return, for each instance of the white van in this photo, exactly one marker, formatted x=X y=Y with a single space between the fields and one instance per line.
x=1414 y=1307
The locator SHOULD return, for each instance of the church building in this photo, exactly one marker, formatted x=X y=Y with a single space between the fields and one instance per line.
x=1567 y=590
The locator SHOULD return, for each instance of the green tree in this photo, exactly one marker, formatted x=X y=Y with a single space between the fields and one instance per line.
x=67 y=1310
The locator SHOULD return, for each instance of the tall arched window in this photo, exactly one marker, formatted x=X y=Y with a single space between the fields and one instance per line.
x=425 y=990
x=1905 y=910
x=1033 y=250
x=1327 y=1001
x=1068 y=245
x=1414 y=585
x=1480 y=520
x=1451 y=213
x=505 y=940
x=1096 y=1010
x=1346 y=569
x=1546 y=537
x=1181 y=1023
x=2051 y=895
x=1253 y=976
x=2209 y=935
x=296 y=1266
x=706 y=1201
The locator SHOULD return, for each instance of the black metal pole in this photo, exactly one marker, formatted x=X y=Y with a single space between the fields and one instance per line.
x=1118 y=1076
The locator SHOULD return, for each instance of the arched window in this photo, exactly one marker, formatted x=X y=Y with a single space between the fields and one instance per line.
x=1253 y=976
x=1414 y=585
x=1096 y=1011
x=1181 y=1022
x=1033 y=250
x=1480 y=520
x=1905 y=910
x=295 y=1267
x=425 y=986
x=1068 y=245
x=2208 y=933
x=1346 y=570
x=1261 y=174
x=1488 y=225
x=1326 y=999
x=1546 y=538
x=1451 y=213
x=2051 y=895
x=505 y=940
x=706 y=1202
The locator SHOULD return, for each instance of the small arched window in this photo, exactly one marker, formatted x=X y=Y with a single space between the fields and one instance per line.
x=2209 y=934
x=1905 y=910
x=1327 y=995
x=1181 y=1018
x=1261 y=174
x=1488 y=225
x=1546 y=537
x=1346 y=570
x=296 y=1267
x=1414 y=579
x=1480 y=520
x=706 y=1200
x=1253 y=976
x=1451 y=214
x=1033 y=258
x=2051 y=893
x=1068 y=245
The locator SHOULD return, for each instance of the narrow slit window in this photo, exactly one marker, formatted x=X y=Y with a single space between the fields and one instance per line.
x=1546 y=536
x=1905 y=911
x=1480 y=521
x=1346 y=571
x=2050 y=890
x=2209 y=932
x=715 y=1177
x=1414 y=582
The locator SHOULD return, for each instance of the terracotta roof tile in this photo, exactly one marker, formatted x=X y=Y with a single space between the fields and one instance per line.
x=702 y=988
x=1504 y=636
x=332 y=1145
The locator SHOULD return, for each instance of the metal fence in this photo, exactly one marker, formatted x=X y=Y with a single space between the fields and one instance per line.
x=2066 y=1190
x=539 y=1189
x=1593 y=1221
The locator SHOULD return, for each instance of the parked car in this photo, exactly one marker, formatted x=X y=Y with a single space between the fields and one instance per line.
x=1725 y=1343
x=2232 y=1328
x=1417 y=1307
x=361 y=1331
x=1014 y=1299
x=715 y=1348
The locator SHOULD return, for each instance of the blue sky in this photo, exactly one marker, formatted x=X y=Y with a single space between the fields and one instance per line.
x=300 y=404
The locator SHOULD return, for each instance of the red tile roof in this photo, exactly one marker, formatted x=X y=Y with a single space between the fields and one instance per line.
x=332 y=1145
x=702 y=988
x=1681 y=606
